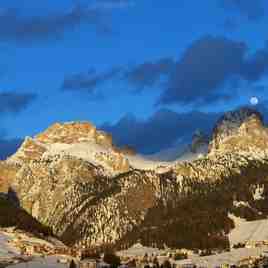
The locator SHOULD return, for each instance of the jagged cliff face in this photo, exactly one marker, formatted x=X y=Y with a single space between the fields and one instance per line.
x=81 y=140
x=237 y=123
x=249 y=136
x=94 y=201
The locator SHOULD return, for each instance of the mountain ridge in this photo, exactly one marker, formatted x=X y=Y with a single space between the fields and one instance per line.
x=85 y=203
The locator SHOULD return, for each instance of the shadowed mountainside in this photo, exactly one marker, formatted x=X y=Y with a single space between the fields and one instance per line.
x=12 y=215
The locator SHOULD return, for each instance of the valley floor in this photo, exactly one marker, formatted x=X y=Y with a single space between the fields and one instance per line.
x=249 y=232
x=234 y=257
x=13 y=241
x=11 y=253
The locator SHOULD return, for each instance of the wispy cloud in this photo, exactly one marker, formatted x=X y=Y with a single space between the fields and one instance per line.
x=16 y=27
x=139 y=77
x=11 y=102
x=89 y=81
x=204 y=74
x=207 y=65
x=149 y=73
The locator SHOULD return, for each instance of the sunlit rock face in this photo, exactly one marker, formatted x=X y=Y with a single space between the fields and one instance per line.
x=238 y=129
x=68 y=133
x=79 y=139
x=7 y=174
x=73 y=179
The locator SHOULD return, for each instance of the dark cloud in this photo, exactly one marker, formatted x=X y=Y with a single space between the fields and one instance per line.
x=203 y=68
x=8 y=147
x=149 y=73
x=161 y=130
x=140 y=76
x=11 y=102
x=89 y=81
x=207 y=66
x=165 y=127
x=253 y=10
x=204 y=74
x=15 y=27
x=254 y=67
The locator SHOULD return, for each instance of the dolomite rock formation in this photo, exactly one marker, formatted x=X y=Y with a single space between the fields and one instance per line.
x=80 y=139
x=230 y=125
x=88 y=193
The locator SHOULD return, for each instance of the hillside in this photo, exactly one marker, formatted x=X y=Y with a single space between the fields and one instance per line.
x=13 y=216
x=73 y=179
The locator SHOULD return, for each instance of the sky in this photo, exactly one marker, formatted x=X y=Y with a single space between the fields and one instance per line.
x=150 y=72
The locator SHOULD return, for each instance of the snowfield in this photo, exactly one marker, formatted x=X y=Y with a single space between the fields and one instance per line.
x=39 y=262
x=6 y=250
x=232 y=257
x=91 y=151
x=249 y=231
x=9 y=253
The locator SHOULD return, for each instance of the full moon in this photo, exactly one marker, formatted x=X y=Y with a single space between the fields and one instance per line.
x=254 y=101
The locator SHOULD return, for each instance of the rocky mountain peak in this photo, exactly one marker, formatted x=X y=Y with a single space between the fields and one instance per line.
x=68 y=133
x=241 y=122
x=73 y=180
x=74 y=132
x=76 y=139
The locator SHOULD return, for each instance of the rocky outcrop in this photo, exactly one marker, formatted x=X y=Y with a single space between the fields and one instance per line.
x=68 y=133
x=230 y=125
x=8 y=172
x=187 y=205
x=79 y=139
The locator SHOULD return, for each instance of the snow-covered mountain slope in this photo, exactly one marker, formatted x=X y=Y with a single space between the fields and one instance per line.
x=179 y=154
x=73 y=179
x=249 y=232
x=17 y=250
x=6 y=250
x=172 y=153
x=78 y=139
x=83 y=141
x=184 y=150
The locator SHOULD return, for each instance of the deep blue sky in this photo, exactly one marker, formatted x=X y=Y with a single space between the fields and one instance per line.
x=148 y=71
